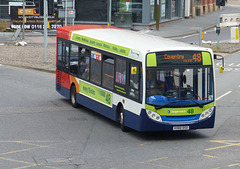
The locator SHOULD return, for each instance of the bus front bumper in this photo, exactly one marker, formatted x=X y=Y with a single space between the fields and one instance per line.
x=147 y=124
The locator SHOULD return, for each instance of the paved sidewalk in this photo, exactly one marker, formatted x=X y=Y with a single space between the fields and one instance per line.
x=31 y=56
x=192 y=25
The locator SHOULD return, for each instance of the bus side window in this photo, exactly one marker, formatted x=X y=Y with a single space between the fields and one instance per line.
x=74 y=59
x=65 y=58
x=96 y=67
x=134 y=81
x=84 y=63
x=59 y=52
x=108 y=72
x=121 y=71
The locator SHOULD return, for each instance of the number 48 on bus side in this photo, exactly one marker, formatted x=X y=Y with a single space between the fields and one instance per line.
x=190 y=111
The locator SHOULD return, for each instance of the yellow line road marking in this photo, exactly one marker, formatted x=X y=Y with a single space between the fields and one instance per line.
x=225 y=141
x=206 y=155
x=12 y=160
x=27 y=166
x=52 y=167
x=232 y=165
x=156 y=159
x=22 y=150
x=145 y=144
x=36 y=146
x=229 y=143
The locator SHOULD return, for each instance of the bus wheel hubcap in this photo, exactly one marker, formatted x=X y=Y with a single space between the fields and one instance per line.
x=73 y=97
x=121 y=118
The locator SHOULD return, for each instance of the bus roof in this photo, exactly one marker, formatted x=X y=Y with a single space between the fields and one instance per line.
x=124 y=42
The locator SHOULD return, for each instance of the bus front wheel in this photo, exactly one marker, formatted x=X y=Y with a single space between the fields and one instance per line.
x=73 y=97
x=121 y=120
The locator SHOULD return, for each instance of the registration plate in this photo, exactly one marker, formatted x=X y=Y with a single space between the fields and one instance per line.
x=180 y=127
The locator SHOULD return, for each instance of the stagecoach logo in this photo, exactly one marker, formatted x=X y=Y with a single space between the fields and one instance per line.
x=176 y=111
x=134 y=53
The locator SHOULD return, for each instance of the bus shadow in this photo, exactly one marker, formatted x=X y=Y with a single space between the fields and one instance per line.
x=145 y=136
x=168 y=135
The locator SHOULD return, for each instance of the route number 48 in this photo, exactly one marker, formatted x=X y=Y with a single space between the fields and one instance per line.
x=190 y=111
x=197 y=57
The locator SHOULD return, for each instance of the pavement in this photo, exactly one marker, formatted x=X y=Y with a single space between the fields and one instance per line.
x=171 y=29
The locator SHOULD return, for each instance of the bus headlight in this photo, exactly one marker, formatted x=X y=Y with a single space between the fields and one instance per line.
x=153 y=115
x=206 y=113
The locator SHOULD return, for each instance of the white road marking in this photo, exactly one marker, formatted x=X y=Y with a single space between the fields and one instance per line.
x=231 y=64
x=223 y=95
x=228 y=69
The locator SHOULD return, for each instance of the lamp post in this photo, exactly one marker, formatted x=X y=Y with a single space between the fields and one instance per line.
x=45 y=30
x=23 y=34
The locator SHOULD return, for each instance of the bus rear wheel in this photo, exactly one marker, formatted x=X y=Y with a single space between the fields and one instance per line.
x=73 y=97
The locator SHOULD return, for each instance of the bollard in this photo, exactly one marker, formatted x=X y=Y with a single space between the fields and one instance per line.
x=221 y=68
x=234 y=35
x=220 y=57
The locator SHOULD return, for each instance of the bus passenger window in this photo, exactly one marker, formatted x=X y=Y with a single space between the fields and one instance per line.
x=84 y=64
x=121 y=71
x=74 y=59
x=134 y=81
x=108 y=73
x=59 y=51
x=96 y=69
x=65 y=56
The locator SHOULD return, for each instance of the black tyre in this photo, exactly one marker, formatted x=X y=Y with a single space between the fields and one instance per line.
x=73 y=97
x=121 y=121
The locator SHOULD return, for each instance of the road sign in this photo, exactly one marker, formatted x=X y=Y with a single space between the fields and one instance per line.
x=234 y=35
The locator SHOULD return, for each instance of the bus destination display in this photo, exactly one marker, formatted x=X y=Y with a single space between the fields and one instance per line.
x=179 y=58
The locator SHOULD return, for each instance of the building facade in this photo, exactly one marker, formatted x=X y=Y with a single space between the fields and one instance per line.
x=143 y=12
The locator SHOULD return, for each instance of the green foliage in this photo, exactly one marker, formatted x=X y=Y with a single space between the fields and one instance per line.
x=4 y=27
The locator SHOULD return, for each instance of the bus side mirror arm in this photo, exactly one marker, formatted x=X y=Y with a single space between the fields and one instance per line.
x=220 y=57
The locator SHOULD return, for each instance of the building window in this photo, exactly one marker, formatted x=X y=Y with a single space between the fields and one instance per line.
x=163 y=9
x=91 y=10
x=137 y=11
x=174 y=8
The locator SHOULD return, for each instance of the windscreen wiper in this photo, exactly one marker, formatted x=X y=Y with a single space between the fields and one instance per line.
x=157 y=107
x=198 y=104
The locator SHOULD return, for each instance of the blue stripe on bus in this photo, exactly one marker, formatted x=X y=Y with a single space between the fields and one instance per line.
x=180 y=118
x=96 y=106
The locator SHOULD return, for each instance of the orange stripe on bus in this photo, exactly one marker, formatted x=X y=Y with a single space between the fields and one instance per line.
x=73 y=80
